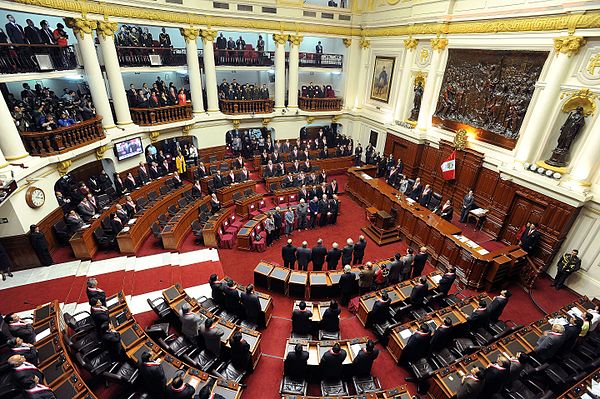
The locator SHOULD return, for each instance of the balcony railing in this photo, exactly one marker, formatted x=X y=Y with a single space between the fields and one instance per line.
x=243 y=57
x=236 y=107
x=21 y=58
x=63 y=139
x=321 y=60
x=162 y=115
x=151 y=56
x=320 y=104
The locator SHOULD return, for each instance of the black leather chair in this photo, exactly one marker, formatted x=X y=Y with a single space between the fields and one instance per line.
x=201 y=359
x=334 y=388
x=363 y=385
x=95 y=362
x=444 y=357
x=160 y=307
x=141 y=203
x=382 y=329
x=307 y=337
x=111 y=192
x=237 y=196
x=212 y=158
x=248 y=192
x=106 y=226
x=78 y=324
x=229 y=373
x=83 y=341
x=104 y=241
x=152 y=196
x=329 y=335
x=157 y=233
x=103 y=200
x=188 y=196
x=164 y=190
x=436 y=200
x=175 y=345
x=197 y=231
x=62 y=232
x=422 y=369
x=208 y=304
x=172 y=210
x=248 y=325
x=204 y=209
x=212 y=169
x=223 y=167
x=182 y=202
x=122 y=373
x=163 y=220
x=292 y=386
x=464 y=346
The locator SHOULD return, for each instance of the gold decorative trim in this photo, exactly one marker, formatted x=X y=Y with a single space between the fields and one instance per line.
x=364 y=43
x=439 y=43
x=460 y=139
x=4 y=165
x=569 y=45
x=562 y=170
x=335 y=119
x=100 y=151
x=208 y=35
x=63 y=166
x=420 y=76
x=235 y=123
x=191 y=34
x=296 y=39
x=347 y=42
x=154 y=136
x=15 y=158
x=186 y=129
x=266 y=121
x=310 y=119
x=81 y=26
x=106 y=28
x=593 y=63
x=125 y=123
x=410 y=43
x=280 y=38
x=582 y=98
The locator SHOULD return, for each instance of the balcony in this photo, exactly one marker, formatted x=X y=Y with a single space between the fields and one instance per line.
x=23 y=58
x=162 y=115
x=320 y=104
x=238 y=107
x=248 y=57
x=315 y=60
x=151 y=56
x=52 y=142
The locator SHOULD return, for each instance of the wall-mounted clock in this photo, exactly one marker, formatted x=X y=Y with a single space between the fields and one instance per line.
x=35 y=197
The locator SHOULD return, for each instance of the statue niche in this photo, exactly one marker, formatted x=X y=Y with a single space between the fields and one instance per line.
x=488 y=90
x=568 y=133
x=418 y=96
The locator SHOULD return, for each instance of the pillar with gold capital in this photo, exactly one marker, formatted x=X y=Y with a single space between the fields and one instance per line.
x=83 y=29
x=350 y=68
x=438 y=46
x=280 y=40
x=212 y=96
x=534 y=134
x=406 y=84
x=293 y=78
x=191 y=51
x=362 y=73
x=10 y=140
x=106 y=36
x=586 y=163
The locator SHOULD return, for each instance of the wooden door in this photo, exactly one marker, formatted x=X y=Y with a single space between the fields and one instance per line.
x=523 y=210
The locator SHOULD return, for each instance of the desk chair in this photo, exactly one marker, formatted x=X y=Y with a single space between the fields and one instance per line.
x=366 y=384
x=160 y=307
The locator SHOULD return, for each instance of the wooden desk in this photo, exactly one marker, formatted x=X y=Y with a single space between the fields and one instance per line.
x=266 y=305
x=316 y=349
x=246 y=205
x=395 y=393
x=261 y=274
x=210 y=231
x=244 y=236
x=314 y=154
x=581 y=388
x=181 y=224
x=131 y=239
x=225 y=194
x=278 y=279
x=421 y=227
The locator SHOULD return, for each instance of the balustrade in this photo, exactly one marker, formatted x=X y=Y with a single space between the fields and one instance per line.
x=320 y=104
x=151 y=56
x=249 y=57
x=321 y=60
x=161 y=115
x=63 y=139
x=236 y=107
x=21 y=58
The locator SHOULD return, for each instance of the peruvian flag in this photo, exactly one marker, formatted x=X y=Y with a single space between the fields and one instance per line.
x=449 y=167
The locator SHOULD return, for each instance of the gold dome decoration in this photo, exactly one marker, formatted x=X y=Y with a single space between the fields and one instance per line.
x=583 y=98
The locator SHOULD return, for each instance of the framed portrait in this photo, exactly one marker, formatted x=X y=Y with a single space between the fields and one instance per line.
x=382 y=78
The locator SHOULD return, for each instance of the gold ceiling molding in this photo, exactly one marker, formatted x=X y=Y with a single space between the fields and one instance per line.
x=208 y=35
x=439 y=43
x=107 y=29
x=364 y=43
x=296 y=39
x=280 y=38
x=410 y=43
x=81 y=26
x=568 y=45
x=189 y=34
x=101 y=150
x=63 y=166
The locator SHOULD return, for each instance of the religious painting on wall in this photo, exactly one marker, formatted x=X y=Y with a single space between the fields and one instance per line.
x=488 y=92
x=382 y=78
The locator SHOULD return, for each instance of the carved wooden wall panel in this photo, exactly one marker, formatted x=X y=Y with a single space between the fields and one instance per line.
x=409 y=152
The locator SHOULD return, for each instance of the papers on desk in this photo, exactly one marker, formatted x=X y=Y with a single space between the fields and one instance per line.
x=472 y=244
x=479 y=211
x=112 y=301
x=355 y=349
x=366 y=176
x=105 y=208
x=96 y=216
x=437 y=278
x=132 y=221
x=574 y=311
x=595 y=388
x=42 y=334
x=460 y=238
x=85 y=226
x=125 y=229
x=405 y=334
x=410 y=200
x=483 y=251
x=558 y=320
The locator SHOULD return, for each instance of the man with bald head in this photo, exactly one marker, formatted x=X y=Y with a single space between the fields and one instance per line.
x=303 y=254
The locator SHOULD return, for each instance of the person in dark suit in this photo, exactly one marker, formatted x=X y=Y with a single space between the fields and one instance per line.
x=86 y=210
x=425 y=196
x=232 y=297
x=116 y=223
x=24 y=372
x=333 y=257
x=152 y=376
x=416 y=191
x=530 y=239
x=498 y=304
x=334 y=208
x=381 y=309
x=201 y=171
x=37 y=390
x=318 y=254
x=190 y=323
x=15 y=32
x=419 y=262
x=216 y=287
x=347 y=252
x=288 y=253
x=74 y=221
x=303 y=254
x=278 y=222
x=446 y=211
x=196 y=190
x=243 y=176
x=295 y=364
x=18 y=347
x=395 y=269
x=480 y=317
x=38 y=242
x=218 y=181
x=211 y=334
x=442 y=335
x=323 y=210
x=215 y=204
x=178 y=389
x=94 y=293
x=301 y=323
x=130 y=183
x=548 y=345
x=331 y=363
x=111 y=340
x=19 y=329
x=251 y=306
x=99 y=313
x=359 y=250
x=471 y=385
x=347 y=285
x=154 y=171
x=418 y=345
x=572 y=331
x=419 y=291
x=406 y=262
x=330 y=321
x=143 y=176
x=363 y=360
x=447 y=280
x=32 y=33
x=332 y=189
x=467 y=205
x=241 y=358
x=495 y=376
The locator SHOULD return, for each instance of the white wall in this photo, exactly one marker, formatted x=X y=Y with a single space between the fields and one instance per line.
x=330 y=45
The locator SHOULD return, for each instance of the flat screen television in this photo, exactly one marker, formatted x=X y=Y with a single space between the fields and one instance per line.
x=128 y=148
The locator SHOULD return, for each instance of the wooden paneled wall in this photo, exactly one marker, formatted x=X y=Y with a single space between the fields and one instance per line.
x=511 y=205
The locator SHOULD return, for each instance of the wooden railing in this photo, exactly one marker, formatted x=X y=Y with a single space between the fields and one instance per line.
x=20 y=58
x=63 y=139
x=320 y=104
x=162 y=115
x=244 y=57
x=151 y=56
x=236 y=107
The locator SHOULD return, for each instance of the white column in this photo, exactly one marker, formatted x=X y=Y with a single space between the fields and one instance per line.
x=210 y=72
x=3 y=162
x=438 y=46
x=280 y=69
x=533 y=137
x=295 y=41
x=83 y=29
x=106 y=37
x=351 y=68
x=362 y=73
x=10 y=140
x=586 y=163
x=193 y=65
x=400 y=113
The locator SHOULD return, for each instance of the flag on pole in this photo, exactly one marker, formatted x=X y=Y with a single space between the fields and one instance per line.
x=449 y=167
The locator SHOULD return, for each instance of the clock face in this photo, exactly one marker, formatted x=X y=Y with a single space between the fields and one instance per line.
x=38 y=197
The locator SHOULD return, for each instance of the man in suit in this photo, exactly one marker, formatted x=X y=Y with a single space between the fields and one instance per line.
x=143 y=174
x=347 y=285
x=217 y=289
x=15 y=32
x=419 y=262
x=32 y=33
x=318 y=254
x=446 y=211
x=301 y=323
x=288 y=253
x=480 y=317
x=243 y=176
x=365 y=278
x=154 y=171
x=19 y=329
x=418 y=344
x=94 y=293
x=201 y=171
x=313 y=207
x=467 y=205
x=495 y=376
x=277 y=221
x=211 y=334
x=323 y=207
x=331 y=363
x=303 y=254
x=567 y=265
x=442 y=335
x=498 y=304
x=24 y=372
x=572 y=331
x=215 y=204
x=417 y=189
x=407 y=262
x=425 y=196
x=190 y=323
x=251 y=306
x=218 y=181
x=232 y=297
x=130 y=183
x=178 y=389
x=330 y=321
x=241 y=358
x=395 y=269
x=74 y=221
x=530 y=238
x=18 y=347
x=334 y=208
x=289 y=217
x=197 y=190
x=302 y=210
x=419 y=291
x=363 y=360
x=332 y=189
x=381 y=309
x=333 y=257
x=447 y=280
x=548 y=345
x=86 y=210
x=295 y=364
x=347 y=252
x=99 y=313
x=471 y=385
x=152 y=376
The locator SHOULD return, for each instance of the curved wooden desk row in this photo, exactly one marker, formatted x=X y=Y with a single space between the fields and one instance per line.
x=206 y=181
x=228 y=163
x=316 y=349
x=458 y=312
x=135 y=342
x=475 y=266
x=248 y=203
x=580 y=390
x=244 y=238
x=133 y=235
x=395 y=393
x=60 y=373
x=397 y=293
x=84 y=245
x=210 y=231
x=330 y=165
x=446 y=381
x=180 y=225
x=285 y=156
x=176 y=297
x=226 y=194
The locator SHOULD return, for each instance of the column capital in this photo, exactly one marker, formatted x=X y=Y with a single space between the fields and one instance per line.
x=106 y=28
x=364 y=43
x=439 y=43
x=569 y=45
x=189 y=34
x=296 y=39
x=347 y=42
x=81 y=26
x=208 y=35
x=410 y=43
x=280 y=38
